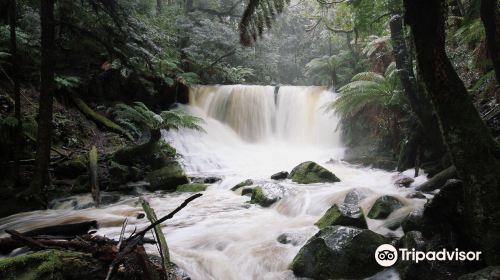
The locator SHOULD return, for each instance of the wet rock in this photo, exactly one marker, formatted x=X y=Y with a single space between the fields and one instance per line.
x=141 y=216
x=403 y=181
x=355 y=196
x=293 y=238
x=268 y=194
x=383 y=207
x=413 y=221
x=339 y=252
x=438 y=180
x=246 y=183
x=167 y=178
x=417 y=195
x=247 y=191
x=488 y=273
x=206 y=180
x=109 y=198
x=310 y=172
x=413 y=240
x=280 y=175
x=193 y=187
x=342 y=214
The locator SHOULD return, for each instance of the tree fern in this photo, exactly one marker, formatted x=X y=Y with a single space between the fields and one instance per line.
x=369 y=89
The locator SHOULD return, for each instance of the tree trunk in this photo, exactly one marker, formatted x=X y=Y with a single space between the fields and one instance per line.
x=41 y=177
x=490 y=15
x=17 y=93
x=159 y=7
x=419 y=103
x=473 y=150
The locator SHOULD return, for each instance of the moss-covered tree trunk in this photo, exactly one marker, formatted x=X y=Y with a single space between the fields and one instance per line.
x=41 y=177
x=428 y=127
x=490 y=15
x=473 y=150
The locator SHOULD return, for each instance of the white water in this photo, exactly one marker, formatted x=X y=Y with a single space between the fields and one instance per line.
x=251 y=134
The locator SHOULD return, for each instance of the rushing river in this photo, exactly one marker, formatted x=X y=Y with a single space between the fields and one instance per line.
x=252 y=132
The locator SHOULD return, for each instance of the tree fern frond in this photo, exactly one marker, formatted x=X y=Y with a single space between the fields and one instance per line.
x=257 y=16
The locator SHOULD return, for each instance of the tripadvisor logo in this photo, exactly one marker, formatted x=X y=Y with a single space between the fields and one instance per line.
x=387 y=255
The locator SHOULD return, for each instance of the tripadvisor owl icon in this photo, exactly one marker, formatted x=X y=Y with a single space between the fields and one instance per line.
x=386 y=255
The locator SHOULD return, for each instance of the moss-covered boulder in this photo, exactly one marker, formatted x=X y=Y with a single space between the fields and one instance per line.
x=268 y=194
x=72 y=168
x=342 y=214
x=246 y=183
x=414 y=221
x=383 y=207
x=167 y=178
x=51 y=264
x=339 y=252
x=310 y=172
x=193 y=187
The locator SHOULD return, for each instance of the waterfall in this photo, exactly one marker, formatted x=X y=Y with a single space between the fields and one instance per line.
x=259 y=114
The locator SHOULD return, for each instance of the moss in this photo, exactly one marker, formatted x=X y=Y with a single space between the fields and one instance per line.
x=167 y=178
x=258 y=196
x=50 y=264
x=310 y=172
x=73 y=167
x=343 y=215
x=383 y=207
x=194 y=187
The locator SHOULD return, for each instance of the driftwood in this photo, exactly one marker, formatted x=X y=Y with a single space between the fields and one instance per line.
x=94 y=182
x=162 y=242
x=438 y=180
x=64 y=230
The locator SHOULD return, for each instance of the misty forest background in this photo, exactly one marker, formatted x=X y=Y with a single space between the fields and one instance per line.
x=417 y=80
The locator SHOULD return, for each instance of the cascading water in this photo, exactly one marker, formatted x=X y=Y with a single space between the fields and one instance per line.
x=251 y=133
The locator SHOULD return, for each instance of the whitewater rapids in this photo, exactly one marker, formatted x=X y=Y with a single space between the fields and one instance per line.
x=252 y=132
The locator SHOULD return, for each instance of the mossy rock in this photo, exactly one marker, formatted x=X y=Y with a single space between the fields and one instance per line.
x=72 y=168
x=280 y=175
x=167 y=178
x=268 y=194
x=342 y=214
x=310 y=172
x=246 y=183
x=339 y=252
x=50 y=264
x=193 y=187
x=383 y=207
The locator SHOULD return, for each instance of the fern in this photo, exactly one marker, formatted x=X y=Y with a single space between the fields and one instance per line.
x=138 y=116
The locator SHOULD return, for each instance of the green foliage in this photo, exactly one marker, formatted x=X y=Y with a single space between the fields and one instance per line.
x=139 y=116
x=369 y=89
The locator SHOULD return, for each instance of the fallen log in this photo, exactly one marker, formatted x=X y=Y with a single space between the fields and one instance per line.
x=438 y=180
x=64 y=230
x=162 y=242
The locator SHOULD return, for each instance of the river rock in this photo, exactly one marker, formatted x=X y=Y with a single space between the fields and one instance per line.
x=310 y=172
x=247 y=191
x=355 y=196
x=293 y=238
x=383 y=207
x=413 y=221
x=167 y=178
x=342 y=214
x=193 y=187
x=205 y=180
x=339 y=252
x=246 y=183
x=413 y=240
x=403 y=181
x=268 y=194
x=280 y=175
x=72 y=168
x=417 y=195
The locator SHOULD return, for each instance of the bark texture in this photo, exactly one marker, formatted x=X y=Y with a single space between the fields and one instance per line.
x=490 y=15
x=41 y=177
x=473 y=150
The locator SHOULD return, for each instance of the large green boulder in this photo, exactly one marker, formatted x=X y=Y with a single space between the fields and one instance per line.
x=168 y=177
x=342 y=214
x=193 y=187
x=310 y=172
x=50 y=264
x=246 y=183
x=383 y=207
x=268 y=194
x=339 y=252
